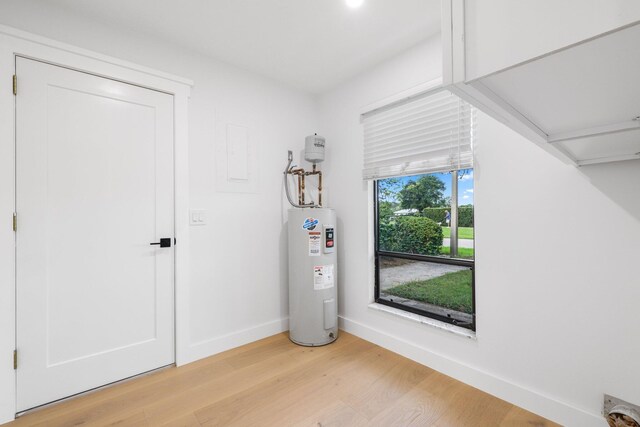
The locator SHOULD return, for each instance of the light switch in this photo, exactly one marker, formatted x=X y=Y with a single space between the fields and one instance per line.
x=198 y=217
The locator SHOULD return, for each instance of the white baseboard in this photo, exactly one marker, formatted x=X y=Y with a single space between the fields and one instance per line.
x=6 y=417
x=222 y=343
x=518 y=395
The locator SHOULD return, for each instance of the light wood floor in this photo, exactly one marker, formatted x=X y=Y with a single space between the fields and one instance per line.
x=273 y=382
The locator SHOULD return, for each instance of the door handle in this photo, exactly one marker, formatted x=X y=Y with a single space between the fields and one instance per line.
x=165 y=242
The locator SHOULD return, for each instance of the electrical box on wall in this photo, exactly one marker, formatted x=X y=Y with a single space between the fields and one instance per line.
x=236 y=152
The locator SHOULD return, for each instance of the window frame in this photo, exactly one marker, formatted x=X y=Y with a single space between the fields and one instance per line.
x=418 y=257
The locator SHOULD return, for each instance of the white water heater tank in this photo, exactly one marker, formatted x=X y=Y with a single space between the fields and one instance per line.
x=313 y=276
x=314 y=148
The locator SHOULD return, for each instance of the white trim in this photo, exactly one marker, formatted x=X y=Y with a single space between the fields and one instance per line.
x=63 y=47
x=609 y=159
x=541 y=136
x=447 y=42
x=458 y=46
x=7 y=240
x=15 y=42
x=181 y=218
x=371 y=242
x=453 y=42
x=432 y=86
x=456 y=330
x=231 y=340
x=595 y=131
x=517 y=394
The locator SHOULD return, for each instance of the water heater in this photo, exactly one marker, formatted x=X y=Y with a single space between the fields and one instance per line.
x=313 y=268
x=313 y=260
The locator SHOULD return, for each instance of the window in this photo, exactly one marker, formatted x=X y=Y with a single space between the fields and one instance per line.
x=419 y=155
x=424 y=245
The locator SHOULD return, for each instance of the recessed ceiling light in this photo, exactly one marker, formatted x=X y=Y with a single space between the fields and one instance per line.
x=354 y=3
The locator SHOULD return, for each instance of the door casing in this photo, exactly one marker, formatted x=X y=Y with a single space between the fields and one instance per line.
x=15 y=43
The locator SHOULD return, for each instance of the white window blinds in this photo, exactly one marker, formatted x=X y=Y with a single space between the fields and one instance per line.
x=428 y=133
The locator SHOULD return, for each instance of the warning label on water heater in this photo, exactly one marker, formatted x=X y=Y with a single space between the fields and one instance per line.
x=322 y=277
x=315 y=238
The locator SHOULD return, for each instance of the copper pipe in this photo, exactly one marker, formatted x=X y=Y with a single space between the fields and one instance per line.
x=297 y=173
x=300 y=174
x=290 y=171
x=314 y=172
x=300 y=199
x=319 y=187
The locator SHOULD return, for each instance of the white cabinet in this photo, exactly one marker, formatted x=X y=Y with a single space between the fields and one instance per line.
x=562 y=73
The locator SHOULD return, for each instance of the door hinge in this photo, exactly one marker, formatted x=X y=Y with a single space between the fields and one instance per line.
x=15 y=84
x=15 y=221
x=15 y=359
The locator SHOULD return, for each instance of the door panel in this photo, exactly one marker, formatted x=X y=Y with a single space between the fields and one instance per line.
x=94 y=189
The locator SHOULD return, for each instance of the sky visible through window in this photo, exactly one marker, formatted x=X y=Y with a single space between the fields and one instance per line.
x=465 y=185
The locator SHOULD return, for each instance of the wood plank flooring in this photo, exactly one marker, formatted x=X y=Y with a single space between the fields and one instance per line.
x=273 y=382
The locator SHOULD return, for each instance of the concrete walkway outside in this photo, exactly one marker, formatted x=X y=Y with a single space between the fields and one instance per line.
x=394 y=276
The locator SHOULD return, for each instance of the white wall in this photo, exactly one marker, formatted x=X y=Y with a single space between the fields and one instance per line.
x=238 y=280
x=557 y=250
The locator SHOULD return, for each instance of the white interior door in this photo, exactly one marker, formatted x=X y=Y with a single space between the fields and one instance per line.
x=94 y=187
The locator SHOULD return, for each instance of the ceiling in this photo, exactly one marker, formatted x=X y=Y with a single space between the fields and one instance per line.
x=310 y=44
